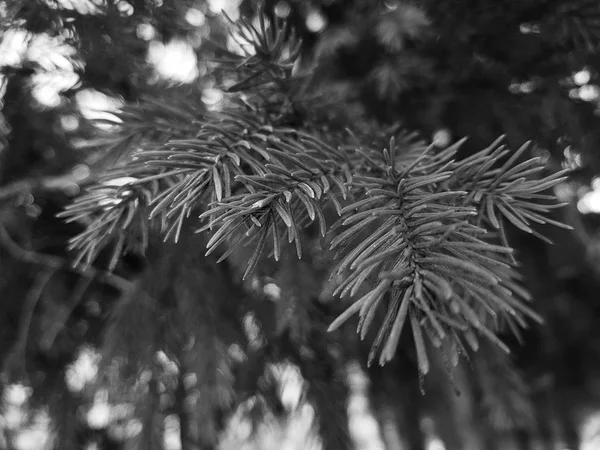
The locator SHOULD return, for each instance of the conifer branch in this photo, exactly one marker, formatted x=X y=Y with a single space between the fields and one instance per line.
x=238 y=170
x=427 y=249
x=267 y=54
x=509 y=193
x=149 y=122
x=412 y=237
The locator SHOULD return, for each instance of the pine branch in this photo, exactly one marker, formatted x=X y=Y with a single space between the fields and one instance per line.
x=275 y=170
x=425 y=248
x=267 y=54
x=508 y=193
x=107 y=210
x=434 y=267
x=152 y=121
x=413 y=239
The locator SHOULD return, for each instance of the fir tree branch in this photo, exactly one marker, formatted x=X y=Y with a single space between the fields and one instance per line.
x=267 y=53
x=422 y=217
x=242 y=169
x=431 y=260
x=508 y=193
x=150 y=122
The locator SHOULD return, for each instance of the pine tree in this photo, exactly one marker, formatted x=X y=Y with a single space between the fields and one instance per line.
x=320 y=215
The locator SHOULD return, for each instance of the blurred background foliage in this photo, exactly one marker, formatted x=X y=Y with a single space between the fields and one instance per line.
x=171 y=351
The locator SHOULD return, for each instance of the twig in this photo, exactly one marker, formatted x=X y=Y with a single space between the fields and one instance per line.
x=29 y=185
x=57 y=263
x=18 y=352
x=52 y=265
x=63 y=313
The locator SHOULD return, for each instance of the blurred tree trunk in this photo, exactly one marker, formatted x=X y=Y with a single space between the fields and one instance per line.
x=185 y=421
x=450 y=404
x=397 y=403
x=328 y=393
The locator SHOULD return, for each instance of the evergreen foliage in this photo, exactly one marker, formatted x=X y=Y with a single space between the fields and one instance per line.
x=306 y=219
x=254 y=181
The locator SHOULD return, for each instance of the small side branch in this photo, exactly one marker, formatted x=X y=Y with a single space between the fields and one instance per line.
x=57 y=263
x=17 y=356
x=30 y=185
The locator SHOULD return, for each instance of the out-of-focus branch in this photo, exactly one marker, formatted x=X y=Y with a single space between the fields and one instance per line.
x=17 y=357
x=64 y=313
x=53 y=264
x=57 y=263
x=33 y=184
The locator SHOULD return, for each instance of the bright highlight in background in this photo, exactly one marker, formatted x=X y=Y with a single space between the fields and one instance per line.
x=229 y=7
x=582 y=77
x=590 y=202
x=174 y=61
x=96 y=105
x=315 y=21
